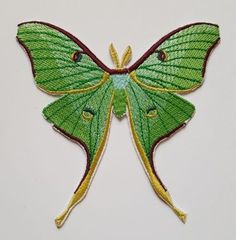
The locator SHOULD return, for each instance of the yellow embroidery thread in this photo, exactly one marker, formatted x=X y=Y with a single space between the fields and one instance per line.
x=79 y=195
x=114 y=56
x=126 y=57
x=134 y=77
x=72 y=91
x=164 y=195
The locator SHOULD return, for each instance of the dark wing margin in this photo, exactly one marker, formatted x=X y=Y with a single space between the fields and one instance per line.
x=158 y=43
x=60 y=63
x=177 y=62
x=155 y=116
x=72 y=37
x=83 y=118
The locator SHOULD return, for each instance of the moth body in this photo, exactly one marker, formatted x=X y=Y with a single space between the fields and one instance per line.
x=120 y=82
x=89 y=91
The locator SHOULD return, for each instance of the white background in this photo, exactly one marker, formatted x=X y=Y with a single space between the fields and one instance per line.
x=39 y=169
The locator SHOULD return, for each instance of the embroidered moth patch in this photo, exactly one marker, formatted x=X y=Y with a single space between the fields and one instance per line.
x=147 y=92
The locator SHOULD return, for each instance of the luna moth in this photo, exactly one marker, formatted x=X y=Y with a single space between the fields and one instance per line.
x=147 y=92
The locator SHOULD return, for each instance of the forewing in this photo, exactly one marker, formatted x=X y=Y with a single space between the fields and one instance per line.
x=52 y=52
x=83 y=117
x=154 y=116
x=177 y=62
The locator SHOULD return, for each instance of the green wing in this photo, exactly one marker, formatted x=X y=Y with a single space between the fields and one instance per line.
x=177 y=62
x=62 y=65
x=83 y=116
x=85 y=119
x=60 y=62
x=156 y=115
x=153 y=117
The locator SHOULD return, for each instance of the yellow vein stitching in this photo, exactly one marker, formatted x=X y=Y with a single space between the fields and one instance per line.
x=135 y=79
x=81 y=192
x=73 y=91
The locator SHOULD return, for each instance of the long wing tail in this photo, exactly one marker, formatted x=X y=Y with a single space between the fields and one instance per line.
x=83 y=186
x=153 y=117
x=85 y=119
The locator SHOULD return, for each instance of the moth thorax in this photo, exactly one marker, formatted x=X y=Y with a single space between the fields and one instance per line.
x=120 y=81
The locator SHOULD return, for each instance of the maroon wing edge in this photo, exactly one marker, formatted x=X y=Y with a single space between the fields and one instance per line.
x=133 y=66
x=158 y=142
x=158 y=43
x=85 y=49
x=79 y=142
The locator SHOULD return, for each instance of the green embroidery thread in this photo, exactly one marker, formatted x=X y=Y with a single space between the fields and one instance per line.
x=146 y=92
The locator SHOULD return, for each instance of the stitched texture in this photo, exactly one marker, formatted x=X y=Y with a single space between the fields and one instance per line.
x=183 y=67
x=52 y=58
x=70 y=111
x=171 y=112
x=146 y=92
x=119 y=103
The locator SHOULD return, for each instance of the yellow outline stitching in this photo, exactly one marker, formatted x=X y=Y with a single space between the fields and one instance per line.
x=153 y=113
x=126 y=57
x=114 y=56
x=82 y=190
x=72 y=91
x=134 y=77
x=87 y=117
x=160 y=191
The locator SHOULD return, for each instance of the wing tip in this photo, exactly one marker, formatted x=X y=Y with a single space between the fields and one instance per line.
x=26 y=49
x=160 y=41
x=34 y=21
x=74 y=39
x=209 y=51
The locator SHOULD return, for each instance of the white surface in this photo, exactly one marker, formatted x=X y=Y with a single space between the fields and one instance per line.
x=40 y=169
